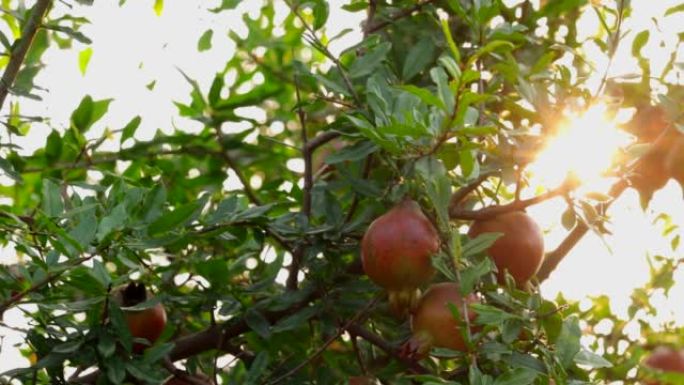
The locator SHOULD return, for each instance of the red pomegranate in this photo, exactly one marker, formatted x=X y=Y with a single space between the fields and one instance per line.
x=520 y=250
x=665 y=359
x=396 y=253
x=147 y=323
x=433 y=324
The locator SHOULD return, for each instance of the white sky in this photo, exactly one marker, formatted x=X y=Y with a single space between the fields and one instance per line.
x=128 y=36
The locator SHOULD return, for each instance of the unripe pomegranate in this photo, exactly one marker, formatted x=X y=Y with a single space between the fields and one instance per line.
x=665 y=359
x=147 y=323
x=520 y=250
x=396 y=253
x=433 y=323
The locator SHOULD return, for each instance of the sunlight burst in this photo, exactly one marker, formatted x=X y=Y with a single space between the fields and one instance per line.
x=585 y=145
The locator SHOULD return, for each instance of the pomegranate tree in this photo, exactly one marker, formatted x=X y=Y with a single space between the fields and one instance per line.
x=520 y=249
x=433 y=323
x=396 y=253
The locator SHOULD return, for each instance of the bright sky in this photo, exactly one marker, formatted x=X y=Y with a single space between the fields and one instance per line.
x=133 y=47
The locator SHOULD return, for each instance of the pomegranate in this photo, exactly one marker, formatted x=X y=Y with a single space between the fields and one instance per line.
x=147 y=323
x=520 y=250
x=433 y=324
x=396 y=253
x=665 y=359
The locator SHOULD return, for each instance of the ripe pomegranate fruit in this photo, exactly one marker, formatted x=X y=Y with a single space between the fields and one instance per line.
x=433 y=324
x=520 y=250
x=653 y=169
x=147 y=323
x=396 y=253
x=665 y=359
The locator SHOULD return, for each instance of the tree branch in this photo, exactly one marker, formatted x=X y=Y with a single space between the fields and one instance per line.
x=19 y=52
x=399 y=15
x=493 y=211
x=554 y=258
x=218 y=336
x=464 y=191
x=392 y=351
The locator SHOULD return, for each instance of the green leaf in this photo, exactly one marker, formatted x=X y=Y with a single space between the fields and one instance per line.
x=53 y=146
x=320 y=13
x=88 y=112
x=446 y=30
x=158 y=7
x=7 y=167
x=130 y=128
x=424 y=95
x=490 y=315
x=173 y=219
x=353 y=153
x=257 y=322
x=106 y=345
x=472 y=274
x=116 y=370
x=674 y=9
x=83 y=60
x=568 y=344
x=52 y=198
x=481 y=243
x=368 y=63
x=258 y=368
x=639 y=42
x=440 y=78
x=204 y=42
x=593 y=360
x=112 y=222
x=519 y=376
x=226 y=5
x=418 y=57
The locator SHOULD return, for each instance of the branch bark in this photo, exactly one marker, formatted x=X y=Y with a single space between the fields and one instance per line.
x=554 y=258
x=19 y=52
x=397 y=16
x=492 y=211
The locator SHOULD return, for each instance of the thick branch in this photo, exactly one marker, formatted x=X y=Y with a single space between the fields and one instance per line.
x=21 y=48
x=553 y=258
x=463 y=192
x=493 y=211
x=320 y=140
x=218 y=336
x=378 y=341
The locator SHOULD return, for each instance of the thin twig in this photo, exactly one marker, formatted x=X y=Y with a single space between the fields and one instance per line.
x=493 y=211
x=361 y=313
x=464 y=191
x=614 y=46
x=386 y=347
x=553 y=258
x=22 y=46
x=399 y=15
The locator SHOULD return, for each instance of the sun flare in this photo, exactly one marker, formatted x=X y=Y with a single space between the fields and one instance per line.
x=585 y=146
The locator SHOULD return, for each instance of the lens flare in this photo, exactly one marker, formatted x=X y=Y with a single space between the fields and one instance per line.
x=585 y=145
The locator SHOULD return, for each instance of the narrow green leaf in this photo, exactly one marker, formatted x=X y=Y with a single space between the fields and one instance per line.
x=173 y=219
x=158 y=7
x=84 y=59
x=131 y=127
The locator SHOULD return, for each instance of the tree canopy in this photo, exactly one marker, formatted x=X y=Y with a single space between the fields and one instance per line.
x=247 y=234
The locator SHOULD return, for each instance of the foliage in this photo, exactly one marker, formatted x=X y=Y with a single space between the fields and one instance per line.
x=435 y=100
